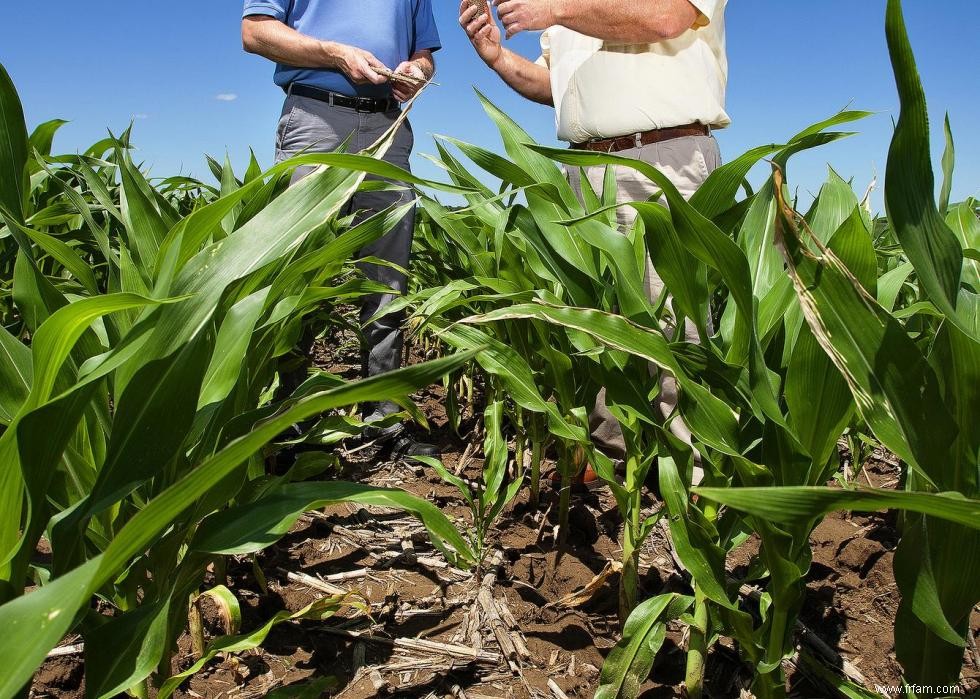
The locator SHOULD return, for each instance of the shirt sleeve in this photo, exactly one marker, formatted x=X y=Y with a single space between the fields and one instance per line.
x=707 y=10
x=426 y=32
x=271 y=8
x=544 y=59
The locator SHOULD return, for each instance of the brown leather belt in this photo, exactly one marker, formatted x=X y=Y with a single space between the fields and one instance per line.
x=645 y=138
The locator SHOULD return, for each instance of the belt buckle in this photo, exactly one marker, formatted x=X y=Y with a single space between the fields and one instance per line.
x=364 y=105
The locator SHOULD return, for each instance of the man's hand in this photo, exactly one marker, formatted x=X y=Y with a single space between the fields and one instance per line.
x=360 y=66
x=483 y=32
x=403 y=91
x=523 y=15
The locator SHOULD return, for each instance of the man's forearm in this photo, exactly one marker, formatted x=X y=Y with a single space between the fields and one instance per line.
x=278 y=42
x=529 y=79
x=633 y=21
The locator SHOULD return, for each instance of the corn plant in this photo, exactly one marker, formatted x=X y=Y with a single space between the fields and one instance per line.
x=140 y=353
x=488 y=496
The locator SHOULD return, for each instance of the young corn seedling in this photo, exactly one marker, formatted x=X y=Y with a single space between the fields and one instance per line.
x=496 y=488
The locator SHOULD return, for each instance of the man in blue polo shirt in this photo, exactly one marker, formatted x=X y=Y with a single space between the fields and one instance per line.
x=332 y=57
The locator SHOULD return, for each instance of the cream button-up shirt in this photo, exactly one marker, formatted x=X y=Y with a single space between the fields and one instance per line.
x=604 y=89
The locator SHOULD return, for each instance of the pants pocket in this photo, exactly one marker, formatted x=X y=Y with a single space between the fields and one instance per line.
x=708 y=154
x=702 y=163
x=285 y=121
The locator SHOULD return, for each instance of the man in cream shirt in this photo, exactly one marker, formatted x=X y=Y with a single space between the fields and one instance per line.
x=642 y=79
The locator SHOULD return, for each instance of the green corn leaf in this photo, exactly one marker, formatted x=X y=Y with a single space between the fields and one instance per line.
x=949 y=162
x=545 y=212
x=36 y=622
x=755 y=237
x=254 y=170
x=937 y=564
x=680 y=271
x=152 y=418
x=496 y=165
x=280 y=228
x=817 y=396
x=145 y=227
x=230 y=348
x=962 y=219
x=97 y=185
x=796 y=504
x=229 y=185
x=937 y=568
x=630 y=661
x=928 y=242
x=842 y=117
x=451 y=478
x=834 y=205
x=42 y=137
x=16 y=375
x=695 y=546
x=13 y=147
x=541 y=169
x=890 y=285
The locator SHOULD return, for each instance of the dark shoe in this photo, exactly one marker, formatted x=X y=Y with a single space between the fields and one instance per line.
x=406 y=446
x=382 y=435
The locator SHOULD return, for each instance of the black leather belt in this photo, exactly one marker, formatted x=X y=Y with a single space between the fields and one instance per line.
x=360 y=104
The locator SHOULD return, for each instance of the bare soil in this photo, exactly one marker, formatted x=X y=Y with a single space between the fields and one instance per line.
x=851 y=602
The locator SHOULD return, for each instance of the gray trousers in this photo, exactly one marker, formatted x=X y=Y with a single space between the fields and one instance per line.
x=687 y=162
x=310 y=125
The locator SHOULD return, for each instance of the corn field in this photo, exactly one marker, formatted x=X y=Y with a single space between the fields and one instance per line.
x=146 y=324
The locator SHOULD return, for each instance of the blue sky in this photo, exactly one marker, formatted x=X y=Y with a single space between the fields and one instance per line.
x=182 y=76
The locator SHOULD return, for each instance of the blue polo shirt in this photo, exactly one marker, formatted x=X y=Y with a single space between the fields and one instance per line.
x=393 y=30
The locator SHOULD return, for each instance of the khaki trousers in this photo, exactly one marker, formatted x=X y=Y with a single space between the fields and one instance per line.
x=687 y=162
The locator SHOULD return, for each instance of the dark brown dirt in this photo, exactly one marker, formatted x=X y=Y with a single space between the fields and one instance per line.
x=851 y=604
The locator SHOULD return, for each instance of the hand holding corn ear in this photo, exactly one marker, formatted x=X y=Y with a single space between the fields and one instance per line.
x=522 y=15
x=480 y=5
x=406 y=80
x=476 y=18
